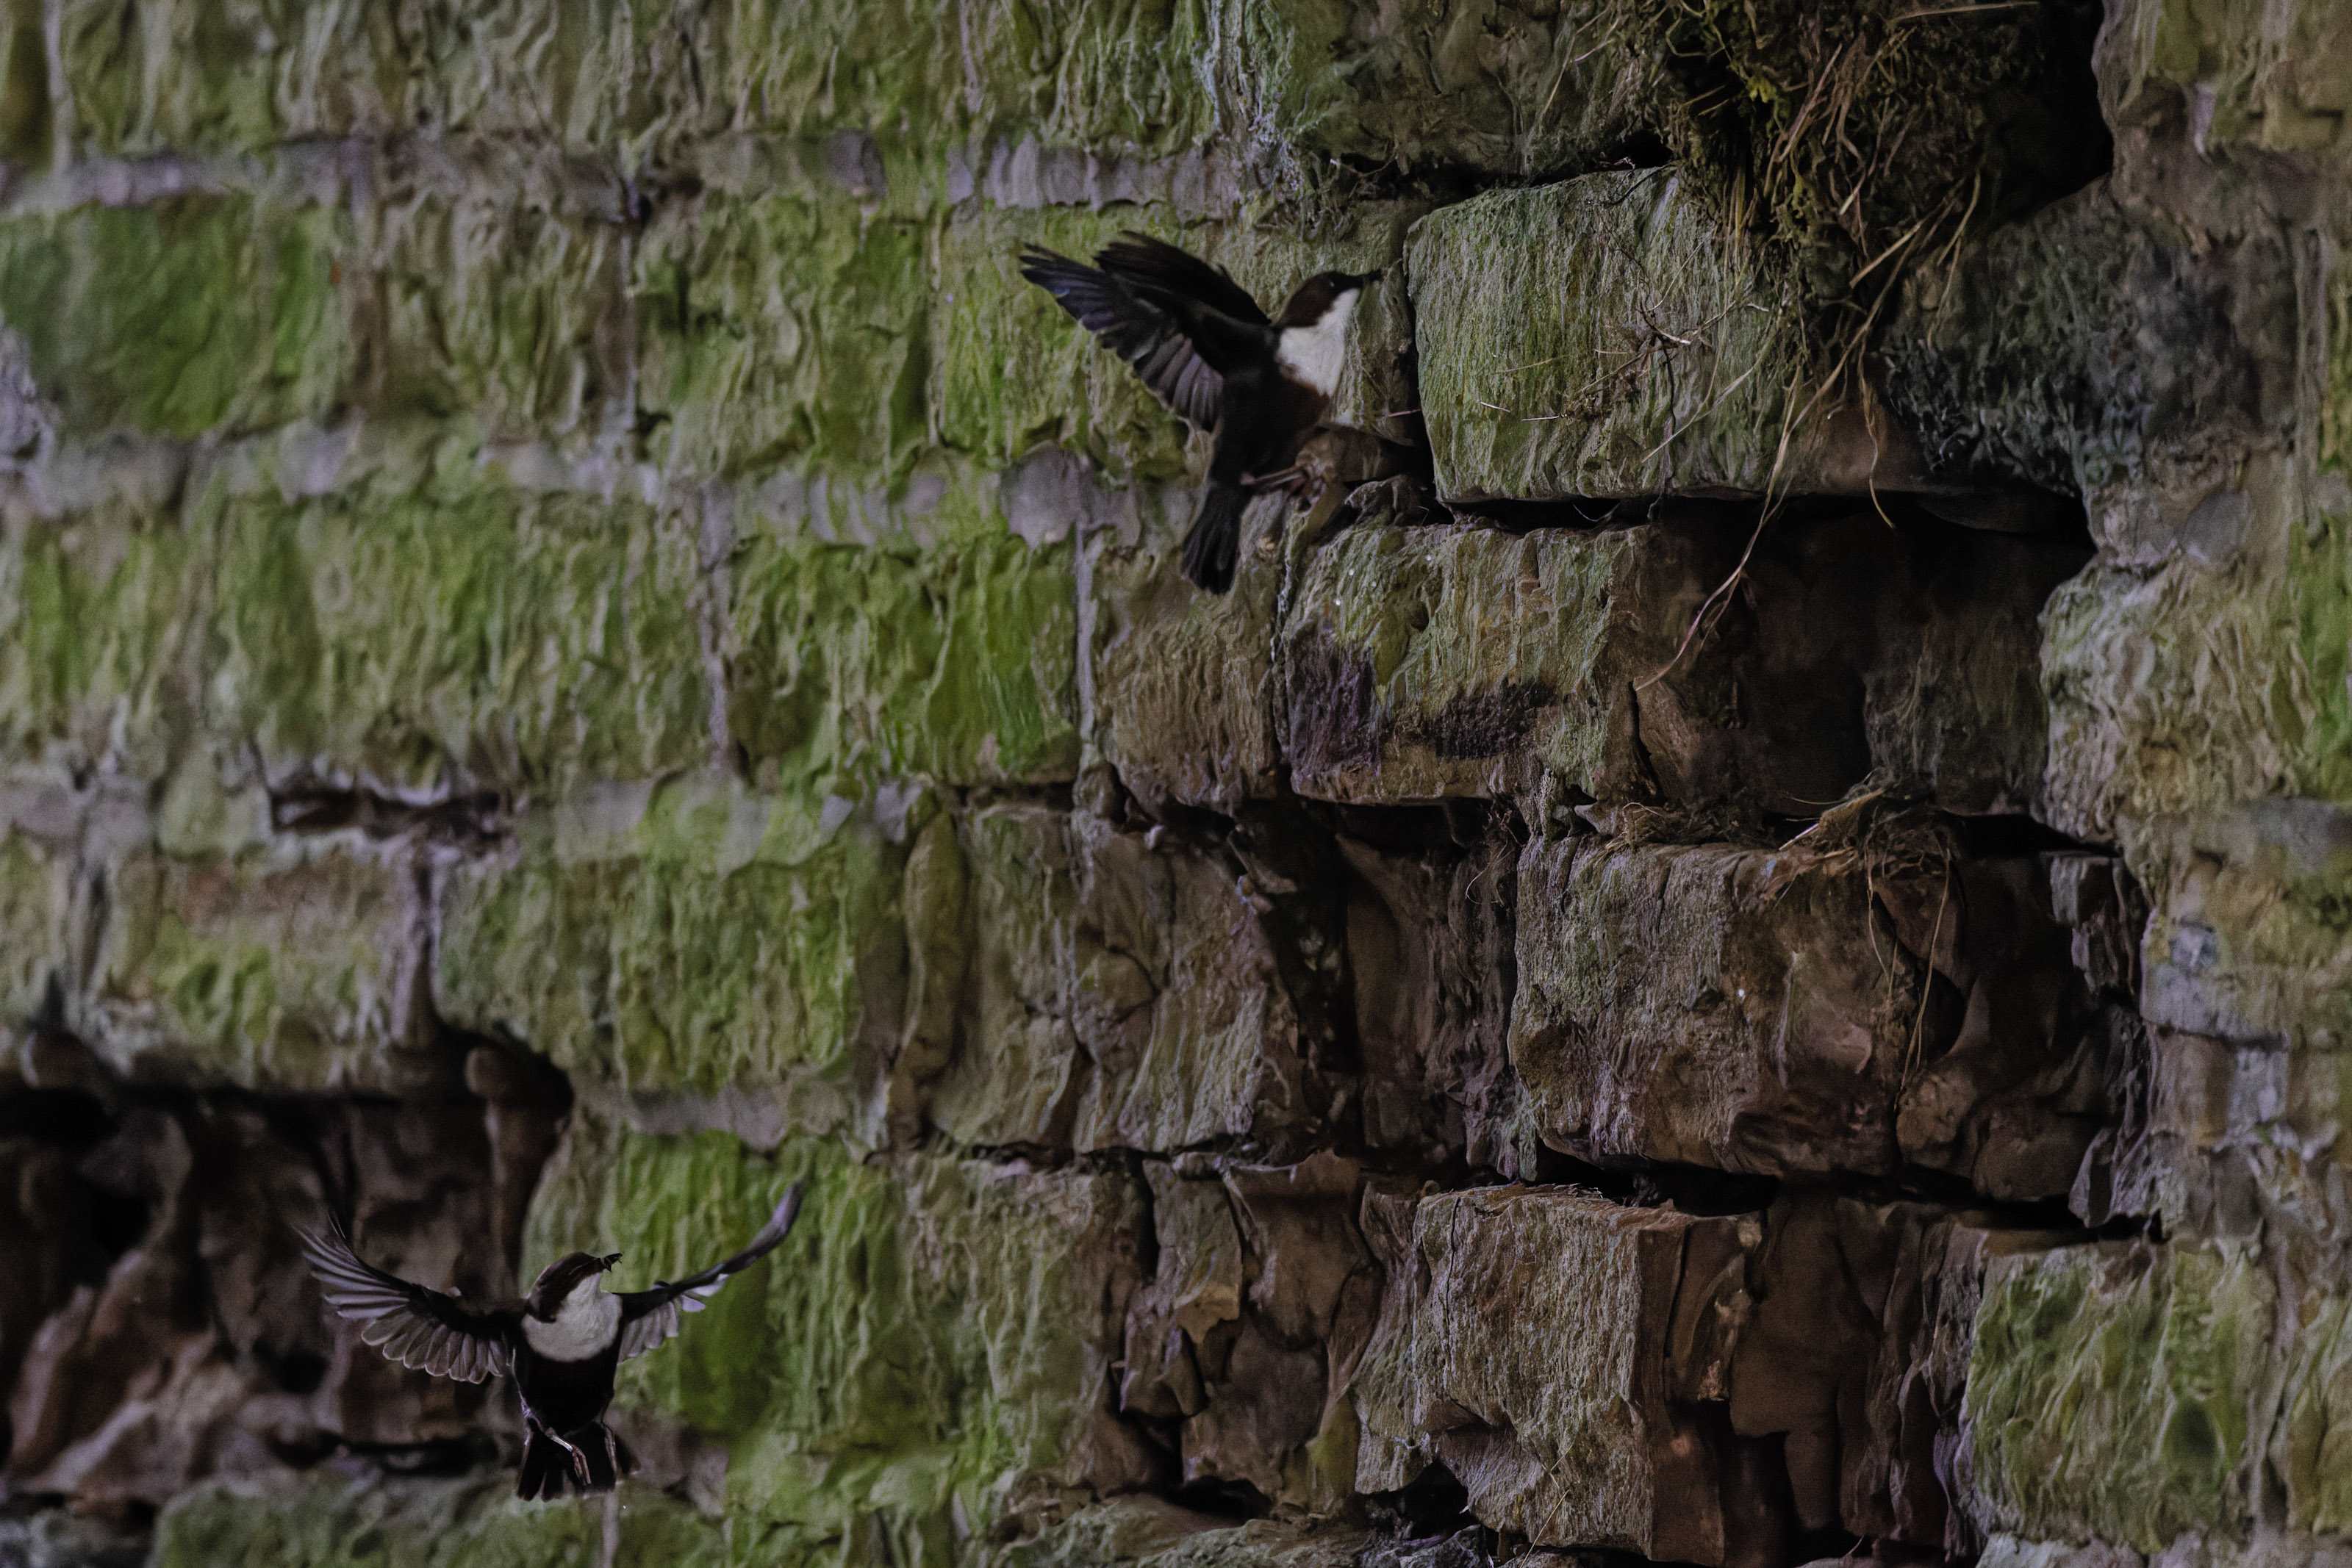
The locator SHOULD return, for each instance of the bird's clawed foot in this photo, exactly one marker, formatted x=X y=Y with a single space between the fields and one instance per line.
x=1291 y=481
x=579 y=1459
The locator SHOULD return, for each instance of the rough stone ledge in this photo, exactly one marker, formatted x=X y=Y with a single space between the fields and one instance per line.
x=1425 y=662
x=1859 y=1004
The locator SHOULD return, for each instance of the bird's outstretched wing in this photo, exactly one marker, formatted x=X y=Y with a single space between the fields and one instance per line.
x=415 y=1327
x=1155 y=268
x=1173 y=343
x=650 y=1317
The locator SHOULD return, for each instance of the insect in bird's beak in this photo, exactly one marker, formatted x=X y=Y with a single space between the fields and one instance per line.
x=604 y=1264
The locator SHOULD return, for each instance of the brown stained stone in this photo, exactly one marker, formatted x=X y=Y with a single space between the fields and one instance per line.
x=1549 y=1347
x=1264 y=1300
x=1762 y=1011
x=1198 y=1286
x=2032 y=1072
x=44 y=1234
x=1216 y=1045
x=1135 y=988
x=1711 y=1006
x=1424 y=662
x=1428 y=947
x=1180 y=698
x=1016 y=1061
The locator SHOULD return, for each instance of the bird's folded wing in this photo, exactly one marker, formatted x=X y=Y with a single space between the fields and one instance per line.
x=412 y=1325
x=1150 y=338
x=1156 y=269
x=650 y=1317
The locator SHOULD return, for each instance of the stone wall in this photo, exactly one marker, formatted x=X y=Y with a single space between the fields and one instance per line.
x=1744 y=964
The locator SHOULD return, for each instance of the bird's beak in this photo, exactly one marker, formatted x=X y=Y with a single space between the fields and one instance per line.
x=1365 y=279
x=604 y=1264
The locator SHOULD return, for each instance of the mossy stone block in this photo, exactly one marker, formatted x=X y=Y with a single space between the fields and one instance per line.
x=2111 y=1389
x=1428 y=662
x=470 y=1523
x=535 y=640
x=289 y=968
x=852 y=665
x=1607 y=337
x=192 y=315
x=693 y=936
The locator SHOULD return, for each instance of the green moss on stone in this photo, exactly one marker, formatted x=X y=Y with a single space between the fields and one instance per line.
x=534 y=639
x=781 y=328
x=282 y=969
x=2109 y=1392
x=856 y=666
x=98 y=624
x=1475 y=644
x=1603 y=337
x=693 y=936
x=196 y=313
x=2316 y=1449
x=505 y=313
x=36 y=922
x=298 y=1522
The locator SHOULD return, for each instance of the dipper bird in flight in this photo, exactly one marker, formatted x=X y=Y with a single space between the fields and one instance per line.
x=562 y=1342
x=1206 y=349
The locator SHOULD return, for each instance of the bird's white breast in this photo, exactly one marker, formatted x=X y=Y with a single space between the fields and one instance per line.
x=585 y=1324
x=1313 y=354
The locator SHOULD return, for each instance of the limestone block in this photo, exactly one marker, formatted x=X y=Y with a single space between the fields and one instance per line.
x=1198 y=1026
x=689 y=939
x=541 y=639
x=421 y=620
x=1545 y=1346
x=1016 y=1064
x=1604 y=337
x=1431 y=905
x=1181 y=695
x=2219 y=585
x=195 y=314
x=486 y=298
x=37 y=919
x=1762 y=1011
x=848 y=667
x=2238 y=1139
x=102 y=651
x=1196 y=1289
x=294 y=968
x=1503 y=90
x=2112 y=1390
x=966 y=1309
x=2246 y=941
x=2276 y=86
x=188 y=78
x=2084 y=348
x=1428 y=662
x=307 y=1522
x=1269 y=1374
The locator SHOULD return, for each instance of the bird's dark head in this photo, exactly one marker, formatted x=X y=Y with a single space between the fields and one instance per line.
x=561 y=1278
x=1319 y=295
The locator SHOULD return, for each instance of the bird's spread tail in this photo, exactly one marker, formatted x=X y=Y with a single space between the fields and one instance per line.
x=590 y=1458
x=1215 y=540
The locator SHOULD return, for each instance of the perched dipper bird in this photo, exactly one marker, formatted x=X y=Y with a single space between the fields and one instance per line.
x=562 y=1342
x=1205 y=349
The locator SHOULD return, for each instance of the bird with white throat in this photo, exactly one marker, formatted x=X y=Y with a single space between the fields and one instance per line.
x=562 y=1342
x=1207 y=350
